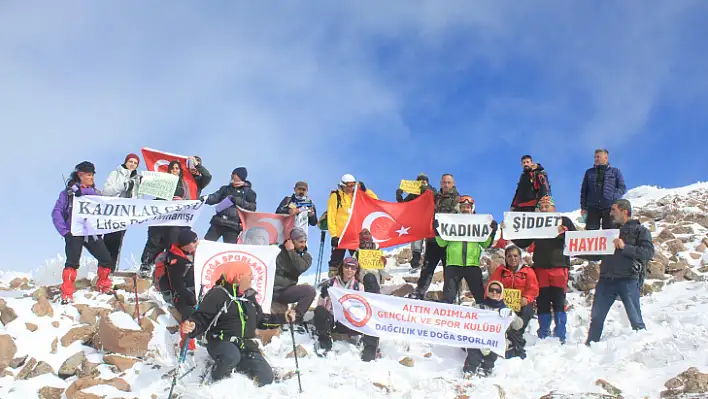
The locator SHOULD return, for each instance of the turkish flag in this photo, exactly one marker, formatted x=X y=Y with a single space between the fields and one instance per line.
x=390 y=223
x=157 y=161
x=264 y=228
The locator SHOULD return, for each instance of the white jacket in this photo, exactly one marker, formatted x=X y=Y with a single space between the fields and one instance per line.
x=117 y=184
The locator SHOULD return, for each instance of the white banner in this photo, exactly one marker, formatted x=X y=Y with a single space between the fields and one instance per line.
x=212 y=258
x=521 y=225
x=158 y=184
x=590 y=242
x=464 y=227
x=96 y=215
x=413 y=320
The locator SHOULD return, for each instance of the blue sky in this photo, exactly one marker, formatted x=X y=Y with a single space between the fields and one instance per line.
x=382 y=90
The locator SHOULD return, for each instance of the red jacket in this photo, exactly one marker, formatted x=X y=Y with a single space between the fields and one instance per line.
x=524 y=280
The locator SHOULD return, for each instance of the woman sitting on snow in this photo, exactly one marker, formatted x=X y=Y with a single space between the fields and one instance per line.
x=346 y=278
x=518 y=276
x=81 y=182
x=481 y=361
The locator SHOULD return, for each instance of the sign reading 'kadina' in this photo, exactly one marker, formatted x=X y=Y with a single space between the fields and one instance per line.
x=390 y=223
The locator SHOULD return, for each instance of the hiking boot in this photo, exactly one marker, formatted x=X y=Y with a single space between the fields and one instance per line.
x=68 y=277
x=103 y=284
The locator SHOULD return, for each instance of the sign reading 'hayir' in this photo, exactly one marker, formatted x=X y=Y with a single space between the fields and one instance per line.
x=464 y=227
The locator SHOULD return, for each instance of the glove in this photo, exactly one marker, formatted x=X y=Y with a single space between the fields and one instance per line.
x=335 y=242
x=203 y=198
x=505 y=313
x=494 y=224
x=362 y=186
x=131 y=184
x=134 y=173
x=323 y=291
x=77 y=191
x=238 y=201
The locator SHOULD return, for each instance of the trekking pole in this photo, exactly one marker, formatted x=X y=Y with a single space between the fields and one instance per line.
x=318 y=270
x=183 y=352
x=137 y=301
x=297 y=366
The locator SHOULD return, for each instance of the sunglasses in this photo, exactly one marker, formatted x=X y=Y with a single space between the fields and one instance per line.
x=495 y=290
x=350 y=266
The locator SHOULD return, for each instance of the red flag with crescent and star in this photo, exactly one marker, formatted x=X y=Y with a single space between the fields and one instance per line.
x=157 y=161
x=390 y=223
x=264 y=228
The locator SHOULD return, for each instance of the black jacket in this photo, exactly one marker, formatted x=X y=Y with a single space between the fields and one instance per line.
x=229 y=323
x=532 y=186
x=284 y=207
x=631 y=261
x=289 y=265
x=548 y=252
x=203 y=179
x=179 y=276
x=243 y=197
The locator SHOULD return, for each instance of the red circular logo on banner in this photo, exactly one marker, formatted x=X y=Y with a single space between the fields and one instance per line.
x=356 y=309
x=217 y=264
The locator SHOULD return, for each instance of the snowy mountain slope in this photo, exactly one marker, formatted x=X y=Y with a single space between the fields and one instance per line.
x=675 y=310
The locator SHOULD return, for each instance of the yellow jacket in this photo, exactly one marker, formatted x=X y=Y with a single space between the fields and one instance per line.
x=337 y=217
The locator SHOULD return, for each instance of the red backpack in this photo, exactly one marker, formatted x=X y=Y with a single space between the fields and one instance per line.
x=160 y=264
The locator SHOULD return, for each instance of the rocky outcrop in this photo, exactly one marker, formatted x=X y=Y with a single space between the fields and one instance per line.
x=74 y=390
x=50 y=393
x=689 y=382
x=8 y=349
x=7 y=314
x=121 y=362
x=31 y=327
x=588 y=277
x=404 y=256
x=41 y=369
x=117 y=340
x=43 y=307
x=267 y=335
x=71 y=366
x=129 y=285
x=82 y=333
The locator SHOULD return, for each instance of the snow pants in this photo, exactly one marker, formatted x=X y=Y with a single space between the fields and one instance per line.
x=73 y=245
x=114 y=242
x=228 y=356
x=453 y=276
x=303 y=294
x=215 y=232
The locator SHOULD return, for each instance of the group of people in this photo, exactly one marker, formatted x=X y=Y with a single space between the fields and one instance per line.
x=544 y=283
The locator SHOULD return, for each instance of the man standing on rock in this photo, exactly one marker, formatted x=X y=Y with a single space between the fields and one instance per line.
x=533 y=185
x=621 y=272
x=416 y=246
x=445 y=202
x=602 y=186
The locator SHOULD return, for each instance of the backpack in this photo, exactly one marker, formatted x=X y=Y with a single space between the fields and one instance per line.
x=322 y=223
x=160 y=271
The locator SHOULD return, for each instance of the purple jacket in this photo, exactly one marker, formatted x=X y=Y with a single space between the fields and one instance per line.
x=61 y=214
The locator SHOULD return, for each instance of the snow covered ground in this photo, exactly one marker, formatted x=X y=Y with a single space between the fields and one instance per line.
x=639 y=363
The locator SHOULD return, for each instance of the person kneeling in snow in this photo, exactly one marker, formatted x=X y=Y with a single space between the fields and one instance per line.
x=481 y=361
x=514 y=274
x=346 y=278
x=229 y=316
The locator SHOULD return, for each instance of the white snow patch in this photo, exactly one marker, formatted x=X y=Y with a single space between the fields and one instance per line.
x=124 y=320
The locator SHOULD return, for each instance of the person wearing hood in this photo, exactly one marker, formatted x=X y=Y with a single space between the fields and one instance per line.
x=338 y=207
x=81 y=182
x=481 y=361
x=623 y=272
x=463 y=259
x=532 y=186
x=300 y=206
x=551 y=268
x=123 y=182
x=514 y=274
x=445 y=202
x=347 y=277
x=416 y=246
x=229 y=315
x=237 y=194
x=292 y=261
x=602 y=186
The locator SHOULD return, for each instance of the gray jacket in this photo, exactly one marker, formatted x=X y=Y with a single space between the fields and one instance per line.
x=289 y=265
x=118 y=184
x=631 y=261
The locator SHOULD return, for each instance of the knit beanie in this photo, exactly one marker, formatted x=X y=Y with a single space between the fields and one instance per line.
x=186 y=237
x=132 y=156
x=241 y=172
x=297 y=234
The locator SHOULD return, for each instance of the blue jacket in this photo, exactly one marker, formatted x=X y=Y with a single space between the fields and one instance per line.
x=592 y=196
